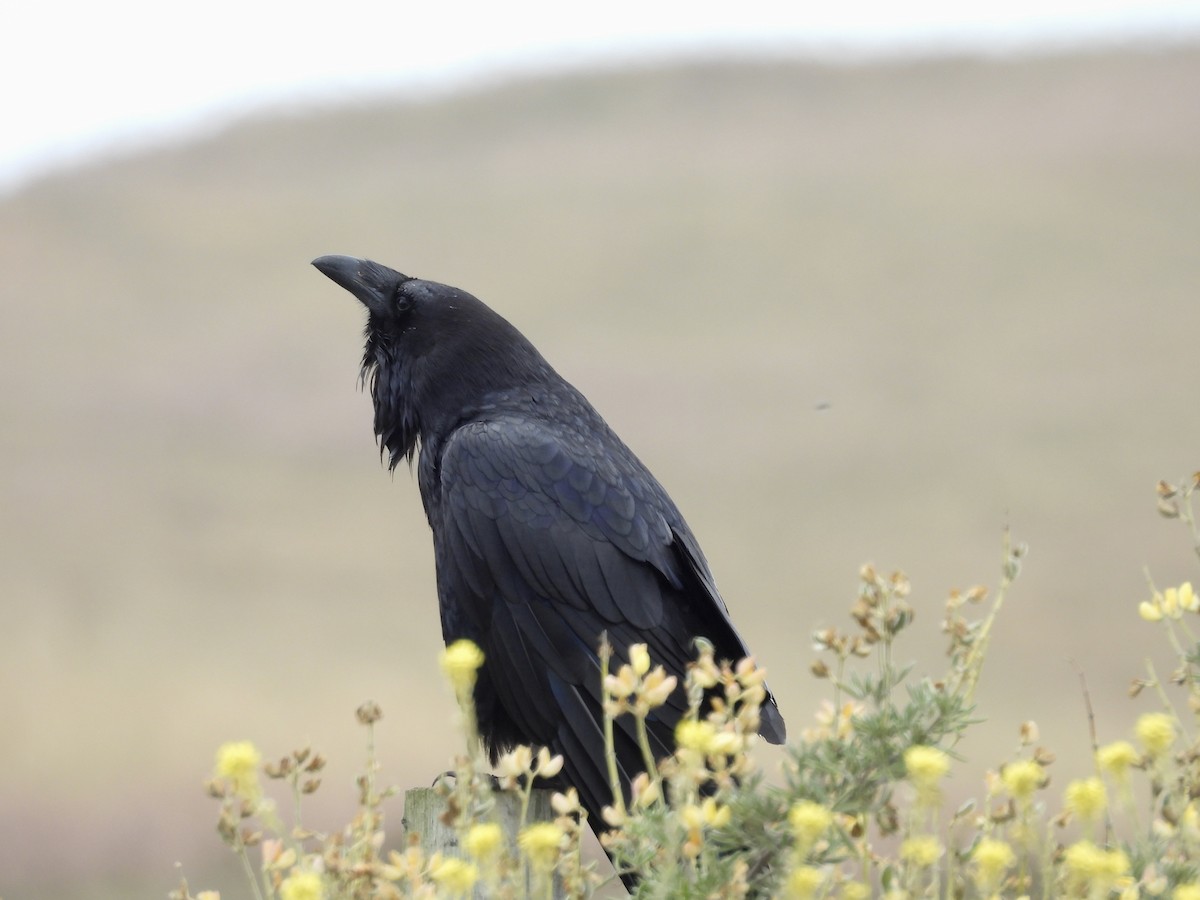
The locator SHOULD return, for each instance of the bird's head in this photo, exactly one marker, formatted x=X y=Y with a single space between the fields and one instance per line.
x=433 y=352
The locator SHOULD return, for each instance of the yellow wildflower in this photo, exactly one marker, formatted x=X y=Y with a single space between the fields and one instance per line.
x=926 y=767
x=1188 y=598
x=622 y=684
x=548 y=766
x=302 y=886
x=1189 y=891
x=992 y=859
x=716 y=816
x=856 y=890
x=657 y=687
x=1151 y=610
x=1086 y=798
x=707 y=815
x=540 y=843
x=1116 y=758
x=237 y=762
x=921 y=851
x=1156 y=731
x=809 y=822
x=1190 y=821
x=1090 y=867
x=699 y=736
x=455 y=877
x=1170 y=603
x=460 y=661
x=698 y=818
x=803 y=883
x=834 y=722
x=1022 y=778
x=514 y=764
x=1174 y=602
x=645 y=792
x=693 y=817
x=639 y=659
x=726 y=743
x=484 y=840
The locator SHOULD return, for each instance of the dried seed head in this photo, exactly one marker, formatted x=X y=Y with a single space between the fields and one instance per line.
x=369 y=713
x=888 y=819
x=1029 y=732
x=227 y=828
x=1168 y=509
x=899 y=617
x=1044 y=756
x=1005 y=812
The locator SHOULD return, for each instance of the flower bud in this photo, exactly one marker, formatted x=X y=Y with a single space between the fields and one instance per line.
x=639 y=658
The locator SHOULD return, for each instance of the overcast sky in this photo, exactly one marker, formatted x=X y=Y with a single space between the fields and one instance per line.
x=82 y=76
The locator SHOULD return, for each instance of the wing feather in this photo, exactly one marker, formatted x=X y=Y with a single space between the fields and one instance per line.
x=544 y=545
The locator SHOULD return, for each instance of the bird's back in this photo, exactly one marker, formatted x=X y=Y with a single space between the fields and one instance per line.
x=550 y=535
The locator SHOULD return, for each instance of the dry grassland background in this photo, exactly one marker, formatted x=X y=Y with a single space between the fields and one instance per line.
x=845 y=313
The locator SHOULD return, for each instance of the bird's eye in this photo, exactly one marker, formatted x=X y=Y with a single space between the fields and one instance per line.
x=401 y=301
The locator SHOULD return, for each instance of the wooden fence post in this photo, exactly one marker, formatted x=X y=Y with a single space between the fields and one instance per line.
x=423 y=809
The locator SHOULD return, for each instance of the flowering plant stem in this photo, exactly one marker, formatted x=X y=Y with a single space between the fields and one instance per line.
x=610 y=747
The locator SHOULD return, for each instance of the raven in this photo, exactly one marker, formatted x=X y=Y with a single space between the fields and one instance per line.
x=548 y=532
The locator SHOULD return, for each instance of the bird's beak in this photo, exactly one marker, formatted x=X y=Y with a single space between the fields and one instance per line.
x=370 y=282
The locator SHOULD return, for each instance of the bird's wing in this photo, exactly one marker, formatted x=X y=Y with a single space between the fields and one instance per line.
x=545 y=541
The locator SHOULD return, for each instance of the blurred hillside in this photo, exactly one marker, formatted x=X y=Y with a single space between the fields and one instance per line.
x=845 y=313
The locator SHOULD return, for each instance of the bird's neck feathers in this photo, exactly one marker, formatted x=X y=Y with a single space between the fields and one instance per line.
x=420 y=397
x=396 y=424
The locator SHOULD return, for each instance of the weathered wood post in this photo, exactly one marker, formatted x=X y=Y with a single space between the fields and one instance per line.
x=423 y=809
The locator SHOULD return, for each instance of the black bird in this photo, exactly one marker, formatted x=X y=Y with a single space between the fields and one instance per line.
x=547 y=531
